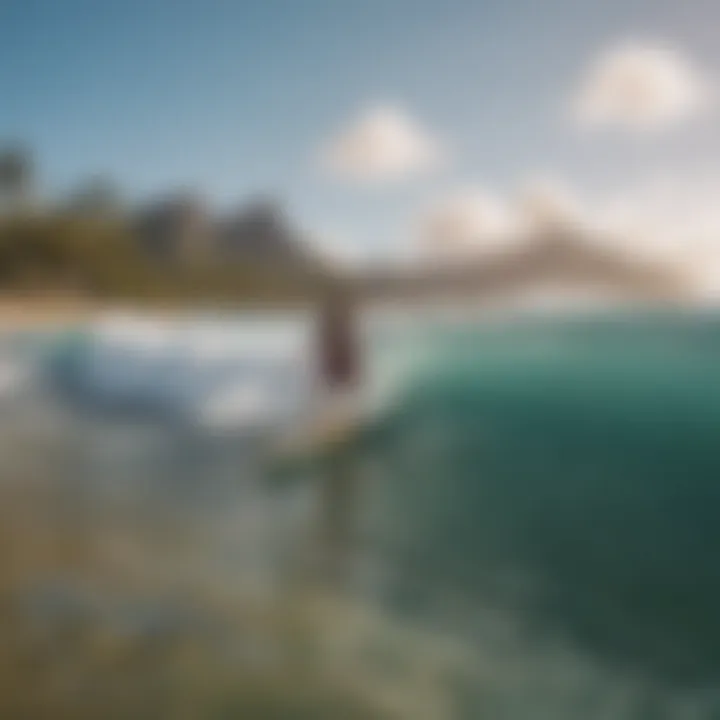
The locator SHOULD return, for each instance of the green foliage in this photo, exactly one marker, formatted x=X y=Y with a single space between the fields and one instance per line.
x=100 y=258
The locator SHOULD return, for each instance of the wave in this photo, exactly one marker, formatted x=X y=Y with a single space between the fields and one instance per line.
x=217 y=374
x=566 y=473
x=543 y=492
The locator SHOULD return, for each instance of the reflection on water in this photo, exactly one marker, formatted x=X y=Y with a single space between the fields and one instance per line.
x=536 y=538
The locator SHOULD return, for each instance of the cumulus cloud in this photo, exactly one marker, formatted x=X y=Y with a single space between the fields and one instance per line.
x=468 y=220
x=640 y=86
x=671 y=220
x=546 y=204
x=474 y=220
x=674 y=219
x=382 y=144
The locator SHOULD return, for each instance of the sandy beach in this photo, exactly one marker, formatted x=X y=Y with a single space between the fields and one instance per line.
x=20 y=313
x=17 y=313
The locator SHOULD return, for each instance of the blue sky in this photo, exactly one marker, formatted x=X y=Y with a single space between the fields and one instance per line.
x=237 y=97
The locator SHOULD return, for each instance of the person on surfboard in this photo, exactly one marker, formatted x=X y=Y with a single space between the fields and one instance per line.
x=333 y=410
x=339 y=353
x=339 y=371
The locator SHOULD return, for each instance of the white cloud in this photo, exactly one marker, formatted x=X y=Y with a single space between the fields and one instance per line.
x=382 y=144
x=640 y=86
x=473 y=220
x=673 y=219
x=669 y=220
x=549 y=204
x=468 y=221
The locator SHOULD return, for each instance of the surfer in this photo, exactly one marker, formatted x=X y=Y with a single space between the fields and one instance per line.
x=338 y=347
x=339 y=370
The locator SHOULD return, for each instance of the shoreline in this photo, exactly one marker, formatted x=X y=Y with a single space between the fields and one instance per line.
x=33 y=312
x=17 y=313
x=28 y=313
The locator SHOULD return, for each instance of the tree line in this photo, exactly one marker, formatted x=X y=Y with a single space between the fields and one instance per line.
x=89 y=247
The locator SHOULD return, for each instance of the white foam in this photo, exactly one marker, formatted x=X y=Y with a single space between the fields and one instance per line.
x=12 y=377
x=246 y=405
x=220 y=373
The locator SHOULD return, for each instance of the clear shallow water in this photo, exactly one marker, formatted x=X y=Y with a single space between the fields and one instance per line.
x=542 y=493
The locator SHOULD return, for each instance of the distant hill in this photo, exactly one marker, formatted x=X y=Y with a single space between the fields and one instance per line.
x=560 y=259
x=261 y=231
x=182 y=228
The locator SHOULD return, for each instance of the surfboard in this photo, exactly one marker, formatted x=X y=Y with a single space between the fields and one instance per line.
x=326 y=431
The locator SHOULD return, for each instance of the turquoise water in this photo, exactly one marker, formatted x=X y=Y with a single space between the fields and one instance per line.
x=566 y=472
x=544 y=492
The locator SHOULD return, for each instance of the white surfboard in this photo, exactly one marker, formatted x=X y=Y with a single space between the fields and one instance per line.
x=330 y=427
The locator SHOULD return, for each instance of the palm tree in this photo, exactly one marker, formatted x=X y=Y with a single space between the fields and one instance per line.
x=16 y=178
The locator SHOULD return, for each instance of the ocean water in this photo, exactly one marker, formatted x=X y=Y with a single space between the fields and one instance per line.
x=540 y=495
